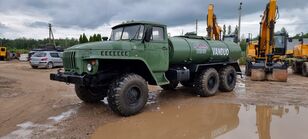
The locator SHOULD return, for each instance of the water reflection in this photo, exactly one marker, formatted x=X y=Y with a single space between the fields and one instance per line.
x=264 y=118
x=198 y=120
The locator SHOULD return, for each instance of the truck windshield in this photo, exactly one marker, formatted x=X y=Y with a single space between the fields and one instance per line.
x=127 y=33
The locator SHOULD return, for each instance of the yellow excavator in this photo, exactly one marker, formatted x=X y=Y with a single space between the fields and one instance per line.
x=264 y=58
x=213 y=30
x=300 y=60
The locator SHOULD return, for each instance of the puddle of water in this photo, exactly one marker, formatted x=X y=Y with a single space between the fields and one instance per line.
x=207 y=121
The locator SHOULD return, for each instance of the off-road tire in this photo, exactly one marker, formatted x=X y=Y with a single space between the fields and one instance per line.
x=90 y=95
x=49 y=65
x=227 y=78
x=305 y=69
x=207 y=83
x=128 y=94
x=171 y=86
x=295 y=68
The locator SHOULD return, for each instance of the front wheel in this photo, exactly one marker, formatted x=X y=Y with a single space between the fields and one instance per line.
x=128 y=94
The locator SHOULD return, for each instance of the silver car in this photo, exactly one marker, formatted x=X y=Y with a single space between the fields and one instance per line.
x=46 y=59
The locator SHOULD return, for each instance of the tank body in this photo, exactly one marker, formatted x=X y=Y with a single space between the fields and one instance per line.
x=186 y=50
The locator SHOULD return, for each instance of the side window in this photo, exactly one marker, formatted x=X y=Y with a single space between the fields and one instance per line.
x=56 y=55
x=158 y=34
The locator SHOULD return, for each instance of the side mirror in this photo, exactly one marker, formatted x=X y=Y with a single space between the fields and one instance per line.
x=290 y=40
x=147 y=35
x=247 y=40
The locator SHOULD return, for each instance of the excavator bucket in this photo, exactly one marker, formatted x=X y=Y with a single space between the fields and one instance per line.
x=258 y=75
x=279 y=75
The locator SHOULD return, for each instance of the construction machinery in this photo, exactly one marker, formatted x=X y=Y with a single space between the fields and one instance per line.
x=141 y=53
x=213 y=30
x=300 y=58
x=264 y=58
x=3 y=53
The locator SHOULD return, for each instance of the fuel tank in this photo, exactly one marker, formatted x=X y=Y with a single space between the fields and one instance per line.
x=199 y=50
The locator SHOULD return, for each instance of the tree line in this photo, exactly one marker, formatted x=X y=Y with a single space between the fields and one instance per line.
x=28 y=44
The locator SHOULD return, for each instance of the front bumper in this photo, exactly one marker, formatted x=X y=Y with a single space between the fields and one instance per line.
x=68 y=78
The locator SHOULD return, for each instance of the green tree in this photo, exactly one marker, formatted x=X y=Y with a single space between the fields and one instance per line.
x=84 y=38
x=99 y=37
x=229 y=30
x=224 y=30
x=80 y=39
x=243 y=45
x=283 y=30
x=94 y=38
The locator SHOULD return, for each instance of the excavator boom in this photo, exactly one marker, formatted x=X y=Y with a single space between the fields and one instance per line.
x=213 y=30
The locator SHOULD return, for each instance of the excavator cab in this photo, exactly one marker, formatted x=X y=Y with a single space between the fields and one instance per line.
x=280 y=44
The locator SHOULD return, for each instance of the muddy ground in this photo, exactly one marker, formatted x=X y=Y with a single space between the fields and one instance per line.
x=32 y=106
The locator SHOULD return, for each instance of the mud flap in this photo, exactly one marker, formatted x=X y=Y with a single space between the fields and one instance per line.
x=278 y=75
x=258 y=75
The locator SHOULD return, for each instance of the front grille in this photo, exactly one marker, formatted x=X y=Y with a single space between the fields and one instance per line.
x=69 y=60
x=114 y=53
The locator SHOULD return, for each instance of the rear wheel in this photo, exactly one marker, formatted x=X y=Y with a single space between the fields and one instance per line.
x=128 y=94
x=227 y=78
x=90 y=95
x=295 y=68
x=49 y=65
x=207 y=83
x=171 y=86
x=305 y=69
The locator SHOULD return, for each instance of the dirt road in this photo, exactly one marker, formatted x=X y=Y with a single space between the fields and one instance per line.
x=32 y=106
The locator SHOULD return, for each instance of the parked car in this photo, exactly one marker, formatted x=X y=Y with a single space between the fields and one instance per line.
x=46 y=59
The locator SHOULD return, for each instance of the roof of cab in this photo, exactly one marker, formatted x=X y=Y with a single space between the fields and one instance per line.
x=138 y=22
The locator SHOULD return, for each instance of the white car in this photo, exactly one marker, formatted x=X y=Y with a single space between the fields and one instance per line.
x=46 y=59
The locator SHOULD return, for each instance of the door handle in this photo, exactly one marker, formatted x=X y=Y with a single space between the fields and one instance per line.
x=164 y=48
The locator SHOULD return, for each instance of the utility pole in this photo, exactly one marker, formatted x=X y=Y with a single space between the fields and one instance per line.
x=51 y=37
x=239 y=23
x=197 y=27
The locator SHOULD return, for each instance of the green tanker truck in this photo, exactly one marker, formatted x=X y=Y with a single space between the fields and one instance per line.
x=140 y=53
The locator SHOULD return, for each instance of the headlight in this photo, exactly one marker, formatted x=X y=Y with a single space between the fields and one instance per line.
x=89 y=67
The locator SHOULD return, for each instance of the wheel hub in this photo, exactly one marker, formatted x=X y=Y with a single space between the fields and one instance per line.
x=211 y=82
x=133 y=95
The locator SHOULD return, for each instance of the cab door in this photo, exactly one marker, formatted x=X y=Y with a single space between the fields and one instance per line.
x=156 y=50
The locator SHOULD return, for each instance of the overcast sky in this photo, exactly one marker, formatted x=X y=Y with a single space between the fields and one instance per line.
x=29 y=18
